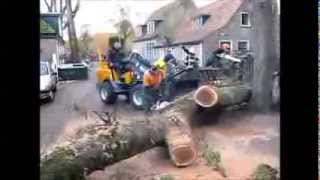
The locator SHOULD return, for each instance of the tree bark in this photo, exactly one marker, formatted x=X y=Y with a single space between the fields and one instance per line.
x=209 y=96
x=99 y=145
x=264 y=54
x=72 y=34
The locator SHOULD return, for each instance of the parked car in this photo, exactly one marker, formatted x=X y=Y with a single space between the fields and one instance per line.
x=48 y=81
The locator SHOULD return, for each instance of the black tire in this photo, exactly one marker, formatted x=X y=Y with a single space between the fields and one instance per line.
x=136 y=97
x=51 y=96
x=107 y=94
x=54 y=88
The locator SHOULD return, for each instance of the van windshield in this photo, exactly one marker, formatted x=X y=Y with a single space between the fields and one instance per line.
x=43 y=69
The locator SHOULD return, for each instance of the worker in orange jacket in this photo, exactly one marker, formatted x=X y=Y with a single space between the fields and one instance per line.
x=152 y=79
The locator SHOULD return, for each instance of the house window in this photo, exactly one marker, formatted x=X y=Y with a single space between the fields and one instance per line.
x=151 y=27
x=150 y=51
x=199 y=21
x=245 y=19
x=140 y=31
x=243 y=45
x=229 y=42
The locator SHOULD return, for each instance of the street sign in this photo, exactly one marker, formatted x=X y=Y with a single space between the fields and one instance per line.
x=49 y=25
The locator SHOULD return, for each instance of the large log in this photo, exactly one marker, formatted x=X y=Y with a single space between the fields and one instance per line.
x=180 y=144
x=98 y=145
x=208 y=96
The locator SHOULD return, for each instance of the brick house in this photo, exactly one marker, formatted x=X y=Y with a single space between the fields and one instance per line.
x=160 y=26
x=248 y=26
x=223 y=21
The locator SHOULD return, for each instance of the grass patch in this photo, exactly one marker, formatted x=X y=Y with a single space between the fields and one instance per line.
x=164 y=177
x=264 y=172
x=213 y=159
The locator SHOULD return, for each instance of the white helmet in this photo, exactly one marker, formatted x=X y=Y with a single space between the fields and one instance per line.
x=117 y=45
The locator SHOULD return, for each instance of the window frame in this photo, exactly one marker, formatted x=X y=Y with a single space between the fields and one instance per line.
x=199 y=21
x=248 y=44
x=151 y=27
x=226 y=40
x=241 y=18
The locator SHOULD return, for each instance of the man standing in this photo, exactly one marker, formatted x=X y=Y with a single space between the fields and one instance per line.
x=151 y=80
x=215 y=59
x=162 y=62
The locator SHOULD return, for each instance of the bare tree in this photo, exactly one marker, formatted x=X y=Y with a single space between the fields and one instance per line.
x=72 y=30
x=49 y=5
x=66 y=9
x=85 y=41
x=125 y=29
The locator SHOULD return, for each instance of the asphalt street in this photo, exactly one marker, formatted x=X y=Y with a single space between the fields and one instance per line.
x=54 y=116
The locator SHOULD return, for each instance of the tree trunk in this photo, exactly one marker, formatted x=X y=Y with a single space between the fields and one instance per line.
x=99 y=145
x=72 y=34
x=264 y=54
x=209 y=96
x=180 y=144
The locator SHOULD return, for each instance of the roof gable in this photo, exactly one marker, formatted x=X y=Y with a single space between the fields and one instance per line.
x=220 y=12
x=168 y=18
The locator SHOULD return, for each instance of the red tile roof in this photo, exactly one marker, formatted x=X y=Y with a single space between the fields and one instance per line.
x=220 y=12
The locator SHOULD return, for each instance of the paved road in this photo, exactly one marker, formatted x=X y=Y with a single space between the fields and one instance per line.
x=54 y=116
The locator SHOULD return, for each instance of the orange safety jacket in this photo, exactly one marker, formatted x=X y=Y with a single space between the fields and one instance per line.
x=152 y=79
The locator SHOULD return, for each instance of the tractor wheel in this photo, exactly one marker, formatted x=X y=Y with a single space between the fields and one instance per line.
x=107 y=94
x=136 y=97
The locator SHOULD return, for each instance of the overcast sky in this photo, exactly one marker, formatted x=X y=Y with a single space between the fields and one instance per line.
x=101 y=14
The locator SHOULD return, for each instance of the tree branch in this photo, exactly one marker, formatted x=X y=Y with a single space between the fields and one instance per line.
x=66 y=24
x=60 y=6
x=49 y=6
x=76 y=9
x=64 y=9
x=54 y=4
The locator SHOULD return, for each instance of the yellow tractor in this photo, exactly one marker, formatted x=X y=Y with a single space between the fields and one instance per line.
x=114 y=82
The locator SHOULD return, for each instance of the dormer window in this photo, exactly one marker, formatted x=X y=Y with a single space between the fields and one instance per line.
x=141 y=30
x=200 y=20
x=245 y=19
x=151 y=27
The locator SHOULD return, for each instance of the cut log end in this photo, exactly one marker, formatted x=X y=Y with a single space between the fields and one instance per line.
x=206 y=96
x=183 y=155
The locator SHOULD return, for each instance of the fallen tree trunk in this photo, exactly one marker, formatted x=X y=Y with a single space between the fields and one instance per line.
x=98 y=145
x=208 y=96
x=180 y=144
